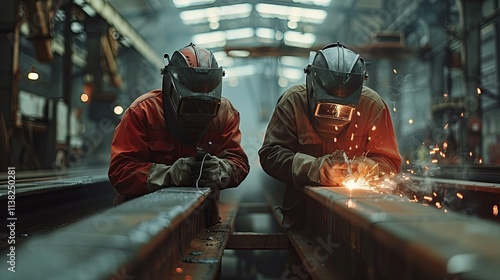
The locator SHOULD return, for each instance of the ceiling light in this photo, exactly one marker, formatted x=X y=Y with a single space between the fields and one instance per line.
x=239 y=53
x=214 y=25
x=298 y=39
x=210 y=39
x=216 y=13
x=324 y=3
x=292 y=24
x=187 y=3
x=33 y=75
x=219 y=38
x=240 y=33
x=291 y=13
x=292 y=73
x=266 y=33
x=293 y=61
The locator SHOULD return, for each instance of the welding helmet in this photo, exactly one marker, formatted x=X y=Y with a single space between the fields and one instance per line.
x=192 y=87
x=334 y=80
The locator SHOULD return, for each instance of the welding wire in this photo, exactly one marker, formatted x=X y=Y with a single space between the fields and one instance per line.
x=349 y=171
x=201 y=170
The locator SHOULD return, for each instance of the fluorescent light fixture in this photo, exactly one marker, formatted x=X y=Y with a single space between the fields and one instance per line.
x=291 y=13
x=216 y=13
x=219 y=38
x=210 y=39
x=187 y=3
x=239 y=53
x=265 y=33
x=292 y=24
x=223 y=59
x=240 y=33
x=324 y=3
x=299 y=39
x=293 y=61
x=292 y=73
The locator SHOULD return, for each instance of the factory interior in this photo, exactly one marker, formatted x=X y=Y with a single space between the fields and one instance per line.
x=70 y=69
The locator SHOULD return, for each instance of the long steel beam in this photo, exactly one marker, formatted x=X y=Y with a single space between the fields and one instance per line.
x=365 y=234
x=111 y=15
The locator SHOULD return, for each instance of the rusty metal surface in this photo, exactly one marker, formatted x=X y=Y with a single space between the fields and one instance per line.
x=397 y=239
x=202 y=258
x=138 y=239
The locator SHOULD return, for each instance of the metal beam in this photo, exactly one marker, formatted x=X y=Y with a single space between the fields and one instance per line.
x=111 y=15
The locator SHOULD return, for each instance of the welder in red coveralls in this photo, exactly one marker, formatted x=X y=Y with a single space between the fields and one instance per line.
x=316 y=126
x=165 y=134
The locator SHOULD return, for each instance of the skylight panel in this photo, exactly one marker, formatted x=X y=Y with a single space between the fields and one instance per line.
x=216 y=13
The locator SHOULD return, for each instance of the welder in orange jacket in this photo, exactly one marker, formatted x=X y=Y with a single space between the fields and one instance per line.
x=330 y=128
x=164 y=134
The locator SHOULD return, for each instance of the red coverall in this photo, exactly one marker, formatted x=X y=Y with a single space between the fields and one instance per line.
x=291 y=143
x=142 y=141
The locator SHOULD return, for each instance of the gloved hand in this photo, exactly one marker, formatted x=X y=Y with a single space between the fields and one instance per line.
x=328 y=170
x=364 y=168
x=215 y=172
x=179 y=173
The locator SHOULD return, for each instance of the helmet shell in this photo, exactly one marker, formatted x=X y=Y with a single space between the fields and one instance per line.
x=334 y=79
x=192 y=88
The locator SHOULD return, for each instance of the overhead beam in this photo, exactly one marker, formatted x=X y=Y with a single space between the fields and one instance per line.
x=111 y=15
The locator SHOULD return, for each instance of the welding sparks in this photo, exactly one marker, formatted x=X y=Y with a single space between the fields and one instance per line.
x=351 y=203
x=352 y=183
x=459 y=195
x=478 y=91
x=410 y=121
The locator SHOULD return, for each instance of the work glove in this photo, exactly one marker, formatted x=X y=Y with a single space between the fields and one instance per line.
x=364 y=168
x=329 y=170
x=177 y=174
x=211 y=171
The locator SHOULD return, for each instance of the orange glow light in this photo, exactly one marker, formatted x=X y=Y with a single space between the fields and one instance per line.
x=459 y=195
x=84 y=97
x=495 y=210
x=178 y=270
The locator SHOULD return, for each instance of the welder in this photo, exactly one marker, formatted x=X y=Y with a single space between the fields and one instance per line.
x=184 y=134
x=331 y=127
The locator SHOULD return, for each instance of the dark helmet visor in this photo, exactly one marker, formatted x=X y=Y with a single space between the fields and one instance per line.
x=198 y=107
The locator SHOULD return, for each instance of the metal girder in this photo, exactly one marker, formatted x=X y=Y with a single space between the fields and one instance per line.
x=111 y=15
